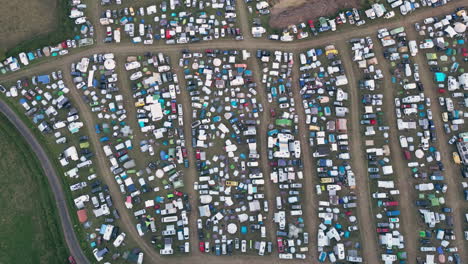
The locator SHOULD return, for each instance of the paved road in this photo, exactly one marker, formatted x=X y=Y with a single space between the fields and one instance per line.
x=54 y=181
x=130 y=49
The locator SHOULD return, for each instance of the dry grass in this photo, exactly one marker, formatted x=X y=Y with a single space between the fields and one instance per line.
x=26 y=19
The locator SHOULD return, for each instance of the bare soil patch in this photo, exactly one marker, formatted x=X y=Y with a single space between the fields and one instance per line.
x=21 y=20
x=288 y=12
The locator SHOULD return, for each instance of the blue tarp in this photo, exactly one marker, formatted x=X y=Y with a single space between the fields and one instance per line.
x=44 y=79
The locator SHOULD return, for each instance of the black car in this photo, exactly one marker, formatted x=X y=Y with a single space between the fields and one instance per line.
x=464 y=171
x=420 y=86
x=422 y=203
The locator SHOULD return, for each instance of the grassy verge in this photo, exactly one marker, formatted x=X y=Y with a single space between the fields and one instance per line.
x=51 y=149
x=65 y=30
x=30 y=230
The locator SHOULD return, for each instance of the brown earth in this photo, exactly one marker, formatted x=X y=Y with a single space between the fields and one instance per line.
x=288 y=12
x=21 y=20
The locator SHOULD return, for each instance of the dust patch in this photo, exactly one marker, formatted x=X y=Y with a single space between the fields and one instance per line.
x=288 y=12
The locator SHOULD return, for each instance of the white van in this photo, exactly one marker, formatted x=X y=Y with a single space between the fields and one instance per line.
x=140 y=258
x=261 y=250
x=296 y=212
x=118 y=241
x=114 y=162
x=258 y=181
x=108 y=232
x=204 y=178
x=286 y=256
x=339 y=251
x=169 y=219
x=409 y=86
x=139 y=212
x=403 y=142
x=107 y=150
x=279 y=204
x=252 y=164
x=379 y=195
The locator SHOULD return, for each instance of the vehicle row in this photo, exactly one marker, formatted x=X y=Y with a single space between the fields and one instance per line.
x=323 y=88
x=416 y=133
x=284 y=154
x=174 y=22
x=376 y=143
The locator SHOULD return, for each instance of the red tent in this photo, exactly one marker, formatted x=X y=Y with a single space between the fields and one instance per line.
x=82 y=215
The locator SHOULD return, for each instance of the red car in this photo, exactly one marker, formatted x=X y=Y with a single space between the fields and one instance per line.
x=272 y=112
x=392 y=203
x=180 y=194
x=273 y=163
x=71 y=260
x=25 y=83
x=121 y=153
x=198 y=154
x=407 y=155
x=383 y=230
x=280 y=245
x=311 y=24
x=184 y=152
x=173 y=107
x=201 y=246
x=338 y=20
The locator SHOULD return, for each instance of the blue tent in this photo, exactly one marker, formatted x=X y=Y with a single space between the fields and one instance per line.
x=440 y=76
x=163 y=155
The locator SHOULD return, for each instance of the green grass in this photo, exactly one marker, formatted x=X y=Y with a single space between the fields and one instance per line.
x=30 y=231
x=65 y=30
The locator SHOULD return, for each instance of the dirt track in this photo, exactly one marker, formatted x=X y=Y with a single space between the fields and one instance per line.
x=122 y=50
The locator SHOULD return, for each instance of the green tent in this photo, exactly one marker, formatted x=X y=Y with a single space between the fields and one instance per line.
x=283 y=122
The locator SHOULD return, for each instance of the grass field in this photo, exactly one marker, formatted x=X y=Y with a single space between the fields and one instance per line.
x=29 y=227
x=32 y=24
